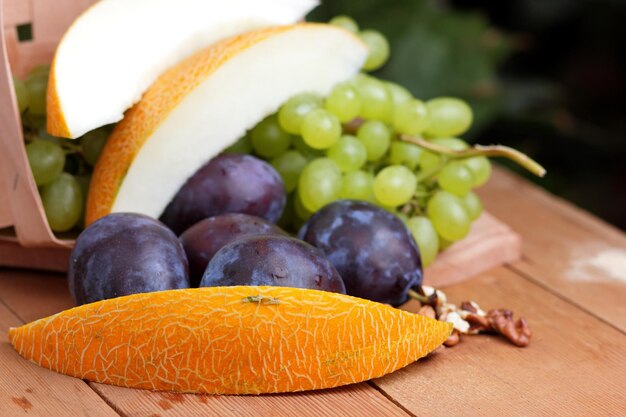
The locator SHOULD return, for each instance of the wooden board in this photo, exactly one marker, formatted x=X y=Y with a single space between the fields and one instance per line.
x=565 y=249
x=575 y=364
x=490 y=243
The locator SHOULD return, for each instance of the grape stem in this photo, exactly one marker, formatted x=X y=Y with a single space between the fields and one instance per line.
x=480 y=150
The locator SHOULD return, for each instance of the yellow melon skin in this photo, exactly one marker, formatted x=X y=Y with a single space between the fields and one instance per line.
x=170 y=91
x=230 y=340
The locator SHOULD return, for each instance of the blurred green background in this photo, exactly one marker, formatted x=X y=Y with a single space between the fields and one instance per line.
x=545 y=76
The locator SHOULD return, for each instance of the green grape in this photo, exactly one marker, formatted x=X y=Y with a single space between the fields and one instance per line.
x=46 y=161
x=344 y=102
x=289 y=165
x=403 y=153
x=321 y=129
x=37 y=90
x=448 y=117
x=376 y=137
x=301 y=211
x=456 y=178
x=293 y=112
x=93 y=142
x=375 y=98
x=378 y=48
x=358 y=185
x=63 y=202
x=319 y=184
x=429 y=161
x=345 y=22
x=473 y=205
x=410 y=118
x=480 y=167
x=305 y=150
x=448 y=215
x=348 y=153
x=268 y=139
x=426 y=238
x=242 y=146
x=399 y=94
x=455 y=144
x=42 y=71
x=83 y=181
x=394 y=185
x=43 y=134
x=21 y=92
x=444 y=244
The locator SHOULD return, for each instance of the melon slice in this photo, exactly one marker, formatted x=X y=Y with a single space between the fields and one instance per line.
x=115 y=50
x=204 y=104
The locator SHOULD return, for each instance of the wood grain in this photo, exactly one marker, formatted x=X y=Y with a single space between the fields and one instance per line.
x=332 y=402
x=575 y=364
x=27 y=389
x=564 y=248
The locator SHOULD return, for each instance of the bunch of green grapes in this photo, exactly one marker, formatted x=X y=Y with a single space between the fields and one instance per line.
x=352 y=144
x=61 y=167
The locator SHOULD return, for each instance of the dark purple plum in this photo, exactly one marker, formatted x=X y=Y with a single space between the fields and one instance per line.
x=272 y=260
x=125 y=253
x=202 y=240
x=371 y=248
x=230 y=183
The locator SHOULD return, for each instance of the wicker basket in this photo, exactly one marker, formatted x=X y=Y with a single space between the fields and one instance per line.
x=20 y=204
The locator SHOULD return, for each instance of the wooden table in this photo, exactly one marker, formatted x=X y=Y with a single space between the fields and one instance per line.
x=570 y=285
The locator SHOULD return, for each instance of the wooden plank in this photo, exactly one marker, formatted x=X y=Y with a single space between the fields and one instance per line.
x=575 y=364
x=564 y=248
x=27 y=389
x=34 y=295
x=333 y=402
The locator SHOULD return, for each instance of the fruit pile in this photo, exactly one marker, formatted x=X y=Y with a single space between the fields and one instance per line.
x=373 y=181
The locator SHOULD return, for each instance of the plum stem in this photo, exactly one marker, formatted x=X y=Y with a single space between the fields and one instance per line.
x=417 y=296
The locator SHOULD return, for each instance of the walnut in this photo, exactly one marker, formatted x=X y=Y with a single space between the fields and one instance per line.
x=518 y=332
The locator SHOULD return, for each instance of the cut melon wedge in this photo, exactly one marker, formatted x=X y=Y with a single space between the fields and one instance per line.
x=203 y=105
x=115 y=50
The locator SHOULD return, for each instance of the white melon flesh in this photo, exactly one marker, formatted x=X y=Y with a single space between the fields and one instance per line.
x=117 y=48
x=233 y=99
